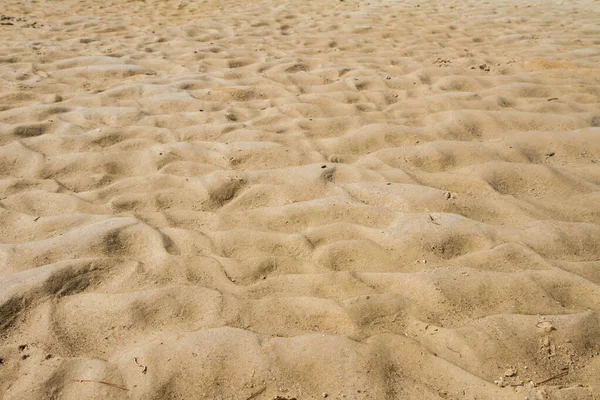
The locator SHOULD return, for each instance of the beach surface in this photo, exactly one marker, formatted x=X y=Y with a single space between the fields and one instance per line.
x=311 y=199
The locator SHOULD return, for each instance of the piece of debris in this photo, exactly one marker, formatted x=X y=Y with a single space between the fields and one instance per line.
x=546 y=326
x=259 y=391
x=433 y=220
x=550 y=154
x=560 y=374
x=102 y=382
x=510 y=372
x=553 y=98
x=441 y=62
x=144 y=367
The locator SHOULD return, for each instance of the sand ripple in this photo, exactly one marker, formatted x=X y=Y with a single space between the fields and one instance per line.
x=342 y=199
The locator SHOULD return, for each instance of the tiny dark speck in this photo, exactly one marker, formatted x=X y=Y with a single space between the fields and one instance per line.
x=323 y=166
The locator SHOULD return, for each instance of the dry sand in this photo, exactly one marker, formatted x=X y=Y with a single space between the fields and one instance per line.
x=274 y=199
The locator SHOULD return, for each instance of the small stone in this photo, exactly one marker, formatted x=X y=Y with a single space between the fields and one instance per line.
x=550 y=154
x=325 y=395
x=510 y=372
x=447 y=195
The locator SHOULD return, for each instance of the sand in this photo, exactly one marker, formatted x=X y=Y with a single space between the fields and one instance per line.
x=315 y=199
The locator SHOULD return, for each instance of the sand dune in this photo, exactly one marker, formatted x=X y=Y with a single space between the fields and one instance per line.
x=299 y=200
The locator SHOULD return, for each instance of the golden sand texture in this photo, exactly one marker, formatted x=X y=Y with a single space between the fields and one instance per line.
x=299 y=199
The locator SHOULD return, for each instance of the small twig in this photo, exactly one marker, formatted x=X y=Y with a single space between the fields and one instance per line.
x=36 y=218
x=144 y=367
x=253 y=395
x=227 y=275
x=432 y=220
x=102 y=382
x=563 y=373
x=553 y=98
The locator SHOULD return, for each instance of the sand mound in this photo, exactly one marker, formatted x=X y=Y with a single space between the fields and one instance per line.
x=279 y=200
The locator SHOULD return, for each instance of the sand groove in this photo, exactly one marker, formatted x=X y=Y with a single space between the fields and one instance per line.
x=357 y=200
